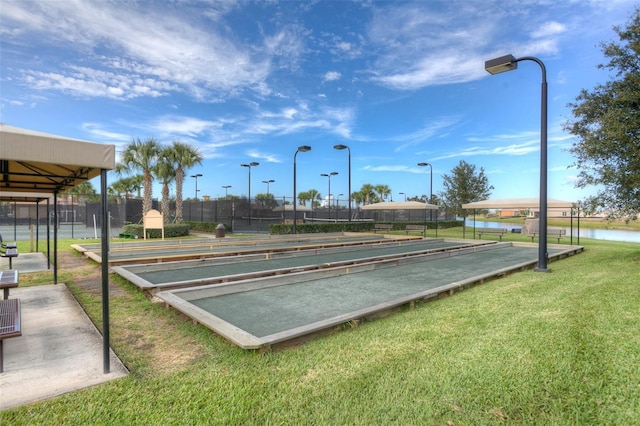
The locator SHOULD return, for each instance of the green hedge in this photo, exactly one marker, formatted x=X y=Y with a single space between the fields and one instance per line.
x=207 y=226
x=170 y=231
x=314 y=228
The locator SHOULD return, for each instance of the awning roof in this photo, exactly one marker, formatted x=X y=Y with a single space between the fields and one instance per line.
x=33 y=162
x=517 y=203
x=400 y=205
x=39 y=162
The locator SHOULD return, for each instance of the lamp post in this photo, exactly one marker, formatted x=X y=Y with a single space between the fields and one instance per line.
x=268 y=182
x=328 y=175
x=405 y=195
x=226 y=191
x=303 y=148
x=341 y=147
x=249 y=166
x=337 y=204
x=430 y=184
x=196 y=176
x=509 y=63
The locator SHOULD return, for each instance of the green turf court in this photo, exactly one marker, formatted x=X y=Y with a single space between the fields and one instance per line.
x=260 y=313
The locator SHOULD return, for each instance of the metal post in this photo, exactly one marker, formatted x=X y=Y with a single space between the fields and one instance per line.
x=509 y=63
x=340 y=147
x=303 y=148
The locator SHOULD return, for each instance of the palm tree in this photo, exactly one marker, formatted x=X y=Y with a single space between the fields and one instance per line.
x=383 y=191
x=119 y=187
x=313 y=196
x=141 y=156
x=369 y=193
x=303 y=196
x=166 y=173
x=84 y=189
x=183 y=157
x=358 y=197
x=135 y=184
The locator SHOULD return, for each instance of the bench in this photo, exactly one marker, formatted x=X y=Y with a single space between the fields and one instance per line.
x=9 y=253
x=385 y=227
x=7 y=245
x=551 y=232
x=492 y=231
x=416 y=228
x=8 y=280
x=9 y=323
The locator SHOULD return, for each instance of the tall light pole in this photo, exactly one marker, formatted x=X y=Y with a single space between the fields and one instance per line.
x=430 y=185
x=303 y=148
x=196 y=176
x=328 y=175
x=226 y=192
x=341 y=147
x=249 y=166
x=268 y=182
x=509 y=63
x=405 y=195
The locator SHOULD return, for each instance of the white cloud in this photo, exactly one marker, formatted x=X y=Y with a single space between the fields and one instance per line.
x=548 y=29
x=332 y=76
x=147 y=44
x=430 y=130
x=421 y=46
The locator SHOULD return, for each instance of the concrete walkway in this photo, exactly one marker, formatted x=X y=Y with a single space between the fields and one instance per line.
x=60 y=349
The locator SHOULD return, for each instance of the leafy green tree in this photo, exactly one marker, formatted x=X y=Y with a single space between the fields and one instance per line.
x=607 y=125
x=266 y=200
x=464 y=185
x=184 y=157
x=139 y=156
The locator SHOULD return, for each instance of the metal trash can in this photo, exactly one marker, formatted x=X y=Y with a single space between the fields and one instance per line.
x=220 y=231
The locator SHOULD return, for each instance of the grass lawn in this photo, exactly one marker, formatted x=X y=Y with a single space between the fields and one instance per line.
x=530 y=348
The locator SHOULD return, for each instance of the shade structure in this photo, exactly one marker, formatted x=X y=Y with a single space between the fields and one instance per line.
x=516 y=203
x=25 y=197
x=289 y=208
x=35 y=162
x=39 y=162
x=400 y=205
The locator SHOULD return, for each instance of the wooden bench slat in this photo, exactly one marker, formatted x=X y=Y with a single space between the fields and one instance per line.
x=494 y=231
x=420 y=228
x=382 y=227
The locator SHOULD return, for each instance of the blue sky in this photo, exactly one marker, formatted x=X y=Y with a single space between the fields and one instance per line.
x=398 y=82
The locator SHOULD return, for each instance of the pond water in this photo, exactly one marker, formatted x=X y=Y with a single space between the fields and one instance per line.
x=597 y=234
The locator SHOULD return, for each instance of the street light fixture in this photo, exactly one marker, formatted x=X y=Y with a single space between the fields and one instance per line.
x=249 y=166
x=196 y=176
x=430 y=184
x=405 y=195
x=328 y=175
x=268 y=182
x=341 y=147
x=303 y=148
x=509 y=63
x=226 y=191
